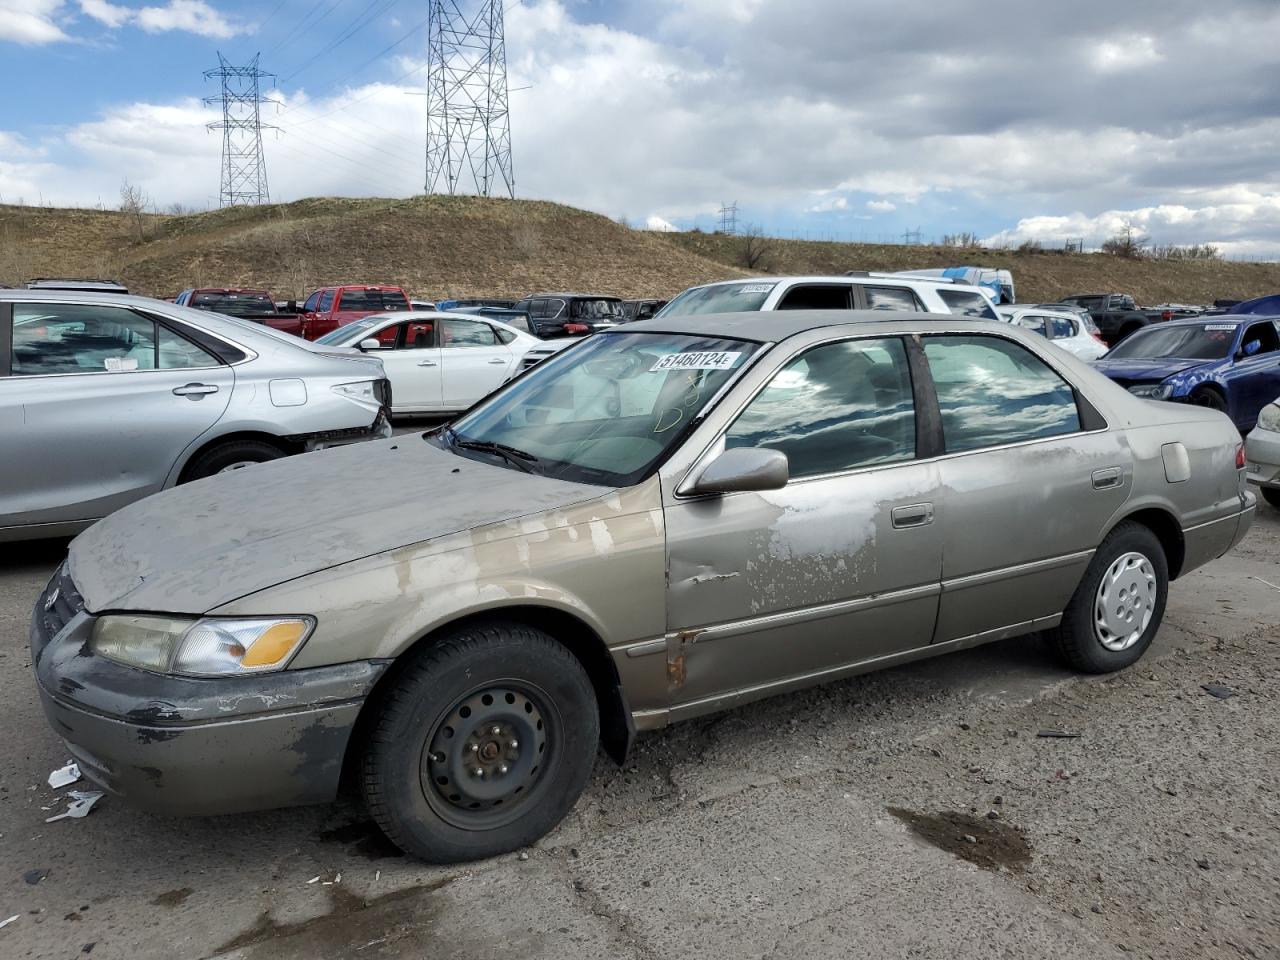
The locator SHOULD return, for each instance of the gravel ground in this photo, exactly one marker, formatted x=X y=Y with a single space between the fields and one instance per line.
x=915 y=812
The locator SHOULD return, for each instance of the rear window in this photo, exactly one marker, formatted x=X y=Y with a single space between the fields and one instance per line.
x=721 y=298
x=597 y=309
x=380 y=301
x=234 y=304
x=968 y=303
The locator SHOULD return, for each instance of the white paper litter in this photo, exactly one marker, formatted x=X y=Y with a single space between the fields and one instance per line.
x=5 y=923
x=64 y=776
x=82 y=802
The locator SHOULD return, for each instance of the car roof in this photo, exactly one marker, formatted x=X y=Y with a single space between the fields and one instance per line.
x=765 y=326
x=1221 y=318
x=581 y=296
x=853 y=276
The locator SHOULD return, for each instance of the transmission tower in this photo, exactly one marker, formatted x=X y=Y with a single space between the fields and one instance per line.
x=468 y=124
x=244 y=171
x=729 y=218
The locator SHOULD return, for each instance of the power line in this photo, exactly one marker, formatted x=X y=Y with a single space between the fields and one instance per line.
x=244 y=171
x=347 y=32
x=302 y=26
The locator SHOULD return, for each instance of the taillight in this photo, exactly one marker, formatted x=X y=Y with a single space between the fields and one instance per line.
x=1240 y=458
x=1098 y=337
x=1166 y=315
x=576 y=328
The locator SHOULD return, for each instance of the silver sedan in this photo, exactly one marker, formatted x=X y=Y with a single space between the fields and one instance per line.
x=105 y=399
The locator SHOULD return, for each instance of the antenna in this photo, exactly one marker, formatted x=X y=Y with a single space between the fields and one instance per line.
x=244 y=171
x=468 y=123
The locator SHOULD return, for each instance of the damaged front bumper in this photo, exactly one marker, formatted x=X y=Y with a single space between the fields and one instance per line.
x=185 y=746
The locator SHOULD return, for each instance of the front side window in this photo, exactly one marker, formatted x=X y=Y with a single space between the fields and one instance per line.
x=967 y=303
x=605 y=411
x=836 y=407
x=465 y=333
x=312 y=300
x=326 y=301
x=892 y=298
x=81 y=338
x=993 y=392
x=418 y=335
x=720 y=298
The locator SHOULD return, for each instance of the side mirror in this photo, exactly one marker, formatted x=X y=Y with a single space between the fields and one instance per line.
x=372 y=343
x=744 y=468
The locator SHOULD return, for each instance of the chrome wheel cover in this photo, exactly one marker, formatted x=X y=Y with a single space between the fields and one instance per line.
x=1125 y=602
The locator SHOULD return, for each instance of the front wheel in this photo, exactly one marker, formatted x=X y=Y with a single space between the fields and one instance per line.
x=1208 y=397
x=1116 y=610
x=482 y=745
x=1272 y=496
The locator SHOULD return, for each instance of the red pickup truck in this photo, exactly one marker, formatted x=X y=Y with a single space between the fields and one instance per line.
x=255 y=305
x=329 y=308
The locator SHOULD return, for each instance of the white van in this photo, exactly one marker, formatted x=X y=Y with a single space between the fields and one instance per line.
x=853 y=291
x=997 y=282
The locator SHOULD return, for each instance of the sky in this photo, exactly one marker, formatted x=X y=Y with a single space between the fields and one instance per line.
x=851 y=119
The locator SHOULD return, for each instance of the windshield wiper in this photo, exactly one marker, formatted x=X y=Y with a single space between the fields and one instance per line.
x=517 y=458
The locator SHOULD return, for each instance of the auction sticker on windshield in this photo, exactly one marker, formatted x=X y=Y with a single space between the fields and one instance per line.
x=704 y=360
x=1219 y=326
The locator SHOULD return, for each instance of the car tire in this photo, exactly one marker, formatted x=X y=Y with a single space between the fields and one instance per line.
x=1272 y=496
x=1208 y=397
x=1116 y=610
x=482 y=744
x=230 y=456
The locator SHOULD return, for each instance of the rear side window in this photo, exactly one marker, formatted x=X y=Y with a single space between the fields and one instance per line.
x=419 y=335
x=465 y=333
x=967 y=303
x=836 y=407
x=82 y=338
x=1031 y=321
x=815 y=296
x=1062 y=328
x=892 y=298
x=993 y=392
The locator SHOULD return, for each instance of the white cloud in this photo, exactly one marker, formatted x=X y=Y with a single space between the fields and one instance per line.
x=30 y=22
x=106 y=13
x=193 y=16
x=829 y=205
x=656 y=222
x=881 y=206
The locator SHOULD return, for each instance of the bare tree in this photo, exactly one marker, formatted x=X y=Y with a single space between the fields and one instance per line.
x=965 y=239
x=133 y=203
x=755 y=247
x=1128 y=242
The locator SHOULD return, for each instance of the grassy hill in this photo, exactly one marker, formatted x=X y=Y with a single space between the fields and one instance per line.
x=468 y=246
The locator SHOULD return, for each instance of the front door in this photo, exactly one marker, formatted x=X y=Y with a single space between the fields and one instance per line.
x=99 y=404
x=840 y=565
x=1031 y=481
x=1254 y=378
x=475 y=362
x=411 y=359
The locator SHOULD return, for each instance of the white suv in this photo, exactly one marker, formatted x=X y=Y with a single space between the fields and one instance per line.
x=853 y=291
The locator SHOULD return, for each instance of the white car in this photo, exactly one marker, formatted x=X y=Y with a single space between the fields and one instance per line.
x=1063 y=328
x=853 y=291
x=439 y=362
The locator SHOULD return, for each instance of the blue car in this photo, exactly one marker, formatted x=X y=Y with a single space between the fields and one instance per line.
x=1230 y=363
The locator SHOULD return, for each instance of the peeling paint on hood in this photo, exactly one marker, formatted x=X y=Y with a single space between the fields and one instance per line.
x=205 y=544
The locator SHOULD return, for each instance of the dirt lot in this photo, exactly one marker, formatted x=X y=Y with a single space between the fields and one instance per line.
x=916 y=812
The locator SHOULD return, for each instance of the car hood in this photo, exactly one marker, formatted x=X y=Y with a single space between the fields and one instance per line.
x=1135 y=369
x=196 y=547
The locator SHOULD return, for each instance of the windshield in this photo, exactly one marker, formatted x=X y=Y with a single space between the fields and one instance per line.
x=340 y=336
x=235 y=304
x=1210 y=341
x=720 y=298
x=604 y=411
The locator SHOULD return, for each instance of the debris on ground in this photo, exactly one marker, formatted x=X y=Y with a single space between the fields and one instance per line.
x=35 y=876
x=1217 y=690
x=9 y=920
x=991 y=845
x=65 y=776
x=1058 y=735
x=82 y=802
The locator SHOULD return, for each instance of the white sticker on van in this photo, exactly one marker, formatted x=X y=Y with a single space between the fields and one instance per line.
x=754 y=288
x=704 y=360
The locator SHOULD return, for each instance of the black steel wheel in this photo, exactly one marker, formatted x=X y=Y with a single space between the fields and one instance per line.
x=481 y=744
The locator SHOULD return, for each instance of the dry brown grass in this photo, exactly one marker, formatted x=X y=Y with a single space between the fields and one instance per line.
x=468 y=246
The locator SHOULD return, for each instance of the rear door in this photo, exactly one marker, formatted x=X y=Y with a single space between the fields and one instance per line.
x=99 y=403
x=1031 y=476
x=474 y=361
x=817 y=296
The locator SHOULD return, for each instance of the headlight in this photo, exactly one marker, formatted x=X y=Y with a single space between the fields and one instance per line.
x=1153 y=391
x=211 y=647
x=361 y=390
x=1269 y=417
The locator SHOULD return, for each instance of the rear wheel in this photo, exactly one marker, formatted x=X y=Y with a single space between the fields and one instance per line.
x=1272 y=496
x=233 y=455
x=1116 y=610
x=482 y=745
x=1127 y=330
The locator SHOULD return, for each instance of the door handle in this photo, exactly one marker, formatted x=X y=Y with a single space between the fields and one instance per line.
x=1107 y=478
x=195 y=390
x=427 y=363
x=498 y=360
x=912 y=515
